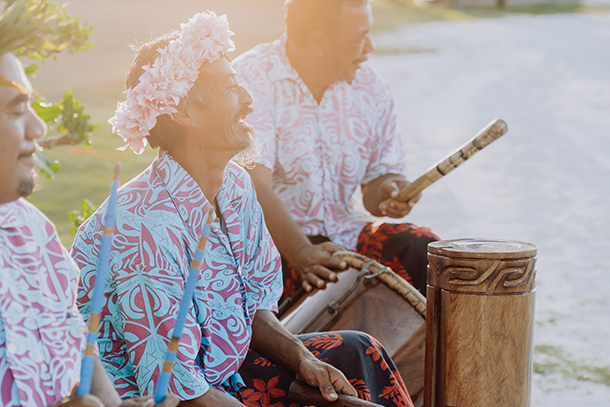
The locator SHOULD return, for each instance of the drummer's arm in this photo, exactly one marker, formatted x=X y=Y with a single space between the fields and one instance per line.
x=271 y=339
x=311 y=261
x=387 y=187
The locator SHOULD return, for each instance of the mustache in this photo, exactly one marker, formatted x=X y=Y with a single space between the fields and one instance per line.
x=244 y=111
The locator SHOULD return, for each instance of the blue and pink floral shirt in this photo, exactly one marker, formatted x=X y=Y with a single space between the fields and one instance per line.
x=42 y=333
x=160 y=215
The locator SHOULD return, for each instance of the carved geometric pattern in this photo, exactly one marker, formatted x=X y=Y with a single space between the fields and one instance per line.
x=482 y=276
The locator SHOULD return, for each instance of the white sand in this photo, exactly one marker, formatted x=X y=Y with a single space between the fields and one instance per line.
x=546 y=181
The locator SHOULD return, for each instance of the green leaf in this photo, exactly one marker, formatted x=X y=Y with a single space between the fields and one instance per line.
x=47 y=111
x=45 y=166
x=30 y=70
x=77 y=217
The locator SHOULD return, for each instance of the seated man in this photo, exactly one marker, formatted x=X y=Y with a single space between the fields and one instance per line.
x=42 y=335
x=233 y=348
x=327 y=125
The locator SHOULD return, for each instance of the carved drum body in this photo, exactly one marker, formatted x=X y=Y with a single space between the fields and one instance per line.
x=480 y=317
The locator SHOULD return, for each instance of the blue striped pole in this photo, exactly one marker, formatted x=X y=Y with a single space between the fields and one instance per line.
x=86 y=371
x=185 y=305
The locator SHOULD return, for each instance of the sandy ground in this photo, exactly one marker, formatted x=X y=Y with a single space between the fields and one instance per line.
x=546 y=181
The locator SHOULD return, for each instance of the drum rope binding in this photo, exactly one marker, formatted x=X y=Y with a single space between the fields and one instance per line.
x=373 y=269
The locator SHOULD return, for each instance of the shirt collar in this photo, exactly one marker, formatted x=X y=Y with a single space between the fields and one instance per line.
x=191 y=204
x=184 y=192
x=8 y=217
x=285 y=69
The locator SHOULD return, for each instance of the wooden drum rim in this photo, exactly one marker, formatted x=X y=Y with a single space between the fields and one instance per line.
x=386 y=275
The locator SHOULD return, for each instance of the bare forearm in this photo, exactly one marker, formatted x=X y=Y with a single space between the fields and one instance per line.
x=271 y=339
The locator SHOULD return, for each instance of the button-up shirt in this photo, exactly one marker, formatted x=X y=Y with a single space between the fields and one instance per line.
x=320 y=154
x=42 y=333
x=159 y=218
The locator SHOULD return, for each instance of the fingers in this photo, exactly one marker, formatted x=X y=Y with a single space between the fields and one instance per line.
x=388 y=190
x=340 y=382
x=80 y=401
x=396 y=209
x=170 y=400
x=140 y=402
x=306 y=286
x=328 y=391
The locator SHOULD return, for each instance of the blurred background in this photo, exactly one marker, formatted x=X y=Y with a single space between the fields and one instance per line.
x=543 y=66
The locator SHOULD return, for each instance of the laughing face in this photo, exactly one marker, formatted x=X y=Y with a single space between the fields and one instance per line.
x=20 y=127
x=223 y=119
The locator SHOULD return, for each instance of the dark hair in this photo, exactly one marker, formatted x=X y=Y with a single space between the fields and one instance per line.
x=302 y=17
x=166 y=132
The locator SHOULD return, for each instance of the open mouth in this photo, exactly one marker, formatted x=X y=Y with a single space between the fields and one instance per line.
x=240 y=117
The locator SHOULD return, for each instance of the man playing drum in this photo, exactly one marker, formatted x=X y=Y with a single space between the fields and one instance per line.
x=184 y=98
x=41 y=332
x=327 y=125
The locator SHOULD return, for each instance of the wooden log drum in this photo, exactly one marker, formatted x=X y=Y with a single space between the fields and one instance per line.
x=371 y=298
x=480 y=318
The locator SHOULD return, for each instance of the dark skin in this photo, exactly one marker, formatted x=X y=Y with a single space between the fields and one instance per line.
x=20 y=127
x=327 y=58
x=204 y=155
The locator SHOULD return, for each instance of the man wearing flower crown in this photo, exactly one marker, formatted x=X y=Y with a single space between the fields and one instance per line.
x=42 y=334
x=327 y=126
x=184 y=98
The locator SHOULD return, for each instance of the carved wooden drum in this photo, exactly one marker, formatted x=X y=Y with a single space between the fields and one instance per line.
x=371 y=298
x=480 y=321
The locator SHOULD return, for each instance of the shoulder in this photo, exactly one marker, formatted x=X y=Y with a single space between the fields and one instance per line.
x=21 y=213
x=256 y=57
x=370 y=82
x=133 y=203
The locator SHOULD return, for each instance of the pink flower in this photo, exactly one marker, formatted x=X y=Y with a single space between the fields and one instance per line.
x=170 y=77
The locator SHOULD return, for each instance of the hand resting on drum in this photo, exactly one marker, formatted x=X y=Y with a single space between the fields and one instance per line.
x=315 y=264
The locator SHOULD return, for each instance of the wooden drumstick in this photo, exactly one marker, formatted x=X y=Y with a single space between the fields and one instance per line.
x=485 y=137
x=304 y=394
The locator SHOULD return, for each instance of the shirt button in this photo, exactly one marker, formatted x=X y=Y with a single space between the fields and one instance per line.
x=11 y=348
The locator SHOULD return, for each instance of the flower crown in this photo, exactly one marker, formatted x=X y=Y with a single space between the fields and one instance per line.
x=203 y=39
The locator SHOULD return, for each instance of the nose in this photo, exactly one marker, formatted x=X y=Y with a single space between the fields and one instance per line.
x=245 y=97
x=35 y=127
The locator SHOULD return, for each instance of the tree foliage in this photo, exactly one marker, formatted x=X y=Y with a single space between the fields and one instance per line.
x=40 y=29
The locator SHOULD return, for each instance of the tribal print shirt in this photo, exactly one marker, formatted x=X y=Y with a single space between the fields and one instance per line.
x=42 y=333
x=159 y=219
x=320 y=154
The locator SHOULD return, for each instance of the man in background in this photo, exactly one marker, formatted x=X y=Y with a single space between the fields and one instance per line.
x=327 y=125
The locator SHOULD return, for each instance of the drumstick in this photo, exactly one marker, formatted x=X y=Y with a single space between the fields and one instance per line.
x=86 y=372
x=185 y=305
x=485 y=137
x=302 y=393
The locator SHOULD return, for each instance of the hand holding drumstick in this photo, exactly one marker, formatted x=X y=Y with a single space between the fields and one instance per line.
x=409 y=194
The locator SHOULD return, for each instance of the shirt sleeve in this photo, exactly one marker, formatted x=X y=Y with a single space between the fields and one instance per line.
x=388 y=156
x=264 y=264
x=262 y=120
x=143 y=297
